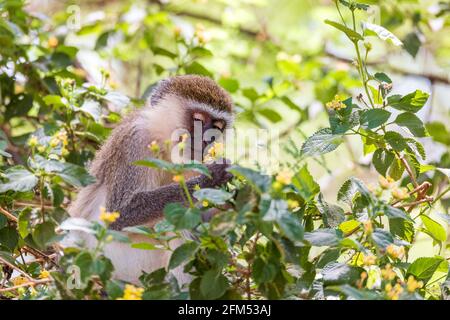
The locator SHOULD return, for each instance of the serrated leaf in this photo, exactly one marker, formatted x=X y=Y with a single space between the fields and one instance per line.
x=321 y=142
x=435 y=229
x=395 y=140
x=423 y=268
x=412 y=122
x=19 y=180
x=373 y=118
x=305 y=184
x=412 y=102
x=182 y=253
x=324 y=237
x=382 y=159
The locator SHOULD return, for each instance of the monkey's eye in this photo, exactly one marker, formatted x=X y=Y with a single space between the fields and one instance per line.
x=199 y=117
x=219 y=125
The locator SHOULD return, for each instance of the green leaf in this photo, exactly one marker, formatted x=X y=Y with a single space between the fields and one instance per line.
x=435 y=229
x=260 y=182
x=324 y=237
x=291 y=226
x=182 y=253
x=213 y=284
x=197 y=68
x=263 y=271
x=229 y=84
x=164 y=52
x=350 y=187
x=305 y=184
x=412 y=122
x=215 y=196
x=155 y=163
x=332 y=215
x=353 y=35
x=396 y=170
x=412 y=43
x=395 y=140
x=23 y=222
x=382 y=238
x=412 y=102
x=118 y=99
x=336 y=273
x=321 y=142
x=8 y=238
x=439 y=132
x=181 y=217
x=382 y=159
x=396 y=213
x=92 y=108
x=74 y=175
x=371 y=29
x=147 y=246
x=382 y=77
x=251 y=94
x=349 y=226
x=44 y=234
x=19 y=179
x=423 y=268
x=270 y=114
x=355 y=294
x=353 y=5
x=373 y=118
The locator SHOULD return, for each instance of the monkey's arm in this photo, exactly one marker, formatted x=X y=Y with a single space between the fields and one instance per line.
x=147 y=206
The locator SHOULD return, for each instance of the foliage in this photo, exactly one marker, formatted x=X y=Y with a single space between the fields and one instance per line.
x=275 y=235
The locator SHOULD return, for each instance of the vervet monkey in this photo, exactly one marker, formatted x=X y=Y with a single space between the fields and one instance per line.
x=139 y=193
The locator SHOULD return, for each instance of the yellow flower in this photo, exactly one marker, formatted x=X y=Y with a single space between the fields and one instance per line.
x=64 y=152
x=368 y=227
x=277 y=186
x=108 y=217
x=44 y=274
x=388 y=273
x=17 y=281
x=154 y=147
x=396 y=252
x=393 y=293
x=62 y=136
x=412 y=284
x=132 y=293
x=41 y=149
x=385 y=183
x=109 y=238
x=369 y=259
x=335 y=104
x=197 y=187
x=284 y=177
x=292 y=204
x=33 y=141
x=54 y=142
x=400 y=193
x=205 y=203
x=215 y=151
x=178 y=178
x=52 y=42
x=18 y=88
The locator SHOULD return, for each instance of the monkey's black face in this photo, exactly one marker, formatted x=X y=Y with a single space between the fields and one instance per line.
x=204 y=129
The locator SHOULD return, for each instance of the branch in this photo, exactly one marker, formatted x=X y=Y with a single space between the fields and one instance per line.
x=432 y=77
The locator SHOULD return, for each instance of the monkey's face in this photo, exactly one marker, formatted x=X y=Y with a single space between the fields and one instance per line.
x=204 y=130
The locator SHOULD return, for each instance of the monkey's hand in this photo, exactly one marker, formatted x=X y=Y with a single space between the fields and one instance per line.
x=219 y=175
